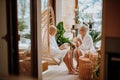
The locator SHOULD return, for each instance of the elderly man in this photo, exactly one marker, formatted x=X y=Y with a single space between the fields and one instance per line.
x=56 y=52
x=84 y=44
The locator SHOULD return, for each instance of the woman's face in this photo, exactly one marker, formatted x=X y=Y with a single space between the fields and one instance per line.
x=82 y=31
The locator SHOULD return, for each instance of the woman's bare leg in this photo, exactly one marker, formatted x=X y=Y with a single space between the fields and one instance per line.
x=69 y=62
x=66 y=61
x=77 y=54
x=76 y=57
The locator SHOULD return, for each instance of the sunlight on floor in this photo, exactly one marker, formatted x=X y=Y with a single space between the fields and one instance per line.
x=58 y=72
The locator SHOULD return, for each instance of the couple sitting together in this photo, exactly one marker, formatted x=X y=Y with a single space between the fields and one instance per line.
x=83 y=45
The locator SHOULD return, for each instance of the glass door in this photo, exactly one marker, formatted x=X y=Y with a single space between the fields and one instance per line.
x=24 y=31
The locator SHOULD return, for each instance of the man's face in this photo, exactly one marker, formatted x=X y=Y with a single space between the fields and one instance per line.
x=52 y=31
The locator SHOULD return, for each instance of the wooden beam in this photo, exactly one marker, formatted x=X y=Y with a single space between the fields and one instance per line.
x=76 y=4
x=53 y=4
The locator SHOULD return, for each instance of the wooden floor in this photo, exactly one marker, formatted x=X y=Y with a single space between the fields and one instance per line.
x=58 y=72
x=4 y=77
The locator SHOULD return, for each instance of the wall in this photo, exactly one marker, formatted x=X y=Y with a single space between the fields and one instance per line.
x=112 y=16
x=3 y=44
x=112 y=30
x=39 y=40
x=68 y=13
x=112 y=25
x=58 y=11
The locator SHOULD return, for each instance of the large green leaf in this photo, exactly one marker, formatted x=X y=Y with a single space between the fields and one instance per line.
x=96 y=35
x=60 y=34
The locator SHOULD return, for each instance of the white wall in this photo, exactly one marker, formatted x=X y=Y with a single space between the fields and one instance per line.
x=68 y=13
x=3 y=44
x=65 y=13
x=58 y=11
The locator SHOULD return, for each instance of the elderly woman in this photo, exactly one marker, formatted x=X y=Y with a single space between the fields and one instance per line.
x=84 y=44
x=61 y=52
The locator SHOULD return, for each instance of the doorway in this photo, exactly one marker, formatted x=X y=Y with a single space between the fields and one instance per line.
x=24 y=44
x=91 y=16
x=22 y=35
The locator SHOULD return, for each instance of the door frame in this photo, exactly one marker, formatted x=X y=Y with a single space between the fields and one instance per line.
x=13 y=66
x=33 y=20
x=12 y=37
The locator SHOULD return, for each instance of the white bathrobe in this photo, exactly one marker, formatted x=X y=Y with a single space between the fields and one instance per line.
x=87 y=44
x=54 y=49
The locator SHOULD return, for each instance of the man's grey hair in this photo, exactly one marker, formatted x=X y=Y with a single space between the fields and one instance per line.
x=84 y=27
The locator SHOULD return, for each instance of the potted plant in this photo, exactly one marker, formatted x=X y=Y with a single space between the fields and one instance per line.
x=96 y=36
x=60 y=34
x=96 y=70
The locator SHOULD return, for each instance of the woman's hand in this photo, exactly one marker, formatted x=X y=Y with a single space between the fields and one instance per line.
x=63 y=46
x=78 y=42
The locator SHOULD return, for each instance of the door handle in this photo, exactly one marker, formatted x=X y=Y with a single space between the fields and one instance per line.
x=115 y=59
x=5 y=37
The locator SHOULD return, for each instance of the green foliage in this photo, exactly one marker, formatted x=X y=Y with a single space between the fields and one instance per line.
x=96 y=69
x=77 y=17
x=77 y=21
x=27 y=36
x=21 y=25
x=60 y=34
x=96 y=36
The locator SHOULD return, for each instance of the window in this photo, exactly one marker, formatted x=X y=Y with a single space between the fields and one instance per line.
x=90 y=13
x=44 y=4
